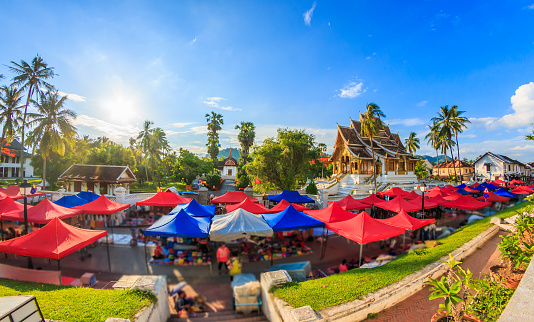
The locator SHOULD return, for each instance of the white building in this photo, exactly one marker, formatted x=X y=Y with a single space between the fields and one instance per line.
x=493 y=166
x=10 y=162
x=100 y=179
x=228 y=167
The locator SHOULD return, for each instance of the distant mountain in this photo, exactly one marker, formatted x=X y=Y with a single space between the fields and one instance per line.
x=431 y=159
x=226 y=152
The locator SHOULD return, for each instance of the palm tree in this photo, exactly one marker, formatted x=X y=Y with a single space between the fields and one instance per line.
x=32 y=78
x=412 y=143
x=433 y=139
x=159 y=146
x=246 y=136
x=459 y=124
x=52 y=126
x=144 y=142
x=10 y=112
x=445 y=121
x=371 y=125
x=215 y=121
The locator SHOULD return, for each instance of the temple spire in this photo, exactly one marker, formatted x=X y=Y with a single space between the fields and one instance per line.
x=230 y=155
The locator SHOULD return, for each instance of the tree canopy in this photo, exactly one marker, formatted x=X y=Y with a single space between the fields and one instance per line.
x=188 y=166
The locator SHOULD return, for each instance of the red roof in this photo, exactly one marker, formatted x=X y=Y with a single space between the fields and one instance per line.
x=467 y=203
x=249 y=206
x=164 y=199
x=43 y=213
x=332 y=213
x=9 y=205
x=412 y=195
x=405 y=221
x=363 y=229
x=349 y=203
x=398 y=204
x=233 y=197
x=282 y=205
x=55 y=241
x=371 y=200
x=102 y=206
x=493 y=197
x=393 y=192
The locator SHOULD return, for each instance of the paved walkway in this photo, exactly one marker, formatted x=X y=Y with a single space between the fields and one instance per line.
x=418 y=308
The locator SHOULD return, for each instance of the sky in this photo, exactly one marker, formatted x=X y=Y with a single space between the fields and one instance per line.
x=298 y=64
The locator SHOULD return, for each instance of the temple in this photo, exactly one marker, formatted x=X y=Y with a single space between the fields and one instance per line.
x=228 y=167
x=353 y=155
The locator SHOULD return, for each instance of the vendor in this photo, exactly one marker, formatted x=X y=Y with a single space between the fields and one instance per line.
x=343 y=266
x=158 y=252
x=245 y=249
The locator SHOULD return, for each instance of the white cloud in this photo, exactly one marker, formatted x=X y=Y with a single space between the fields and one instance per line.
x=523 y=147
x=406 y=122
x=483 y=121
x=308 y=15
x=530 y=6
x=72 y=97
x=182 y=124
x=352 y=90
x=421 y=104
x=193 y=41
x=110 y=130
x=215 y=103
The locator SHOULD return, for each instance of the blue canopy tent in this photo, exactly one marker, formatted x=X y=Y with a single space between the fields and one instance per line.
x=180 y=224
x=504 y=193
x=291 y=196
x=193 y=208
x=479 y=188
x=71 y=201
x=463 y=185
x=492 y=186
x=88 y=195
x=485 y=183
x=462 y=191
x=291 y=219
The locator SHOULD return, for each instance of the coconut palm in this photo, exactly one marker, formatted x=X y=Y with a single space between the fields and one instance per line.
x=144 y=142
x=371 y=125
x=246 y=136
x=31 y=78
x=10 y=112
x=52 y=126
x=159 y=146
x=432 y=139
x=459 y=124
x=215 y=121
x=412 y=143
x=445 y=121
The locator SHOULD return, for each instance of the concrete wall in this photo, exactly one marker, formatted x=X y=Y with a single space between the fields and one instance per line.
x=520 y=307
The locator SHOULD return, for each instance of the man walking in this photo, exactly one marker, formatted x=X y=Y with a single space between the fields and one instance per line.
x=223 y=254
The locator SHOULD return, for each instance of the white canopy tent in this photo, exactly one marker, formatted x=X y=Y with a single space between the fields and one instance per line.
x=238 y=224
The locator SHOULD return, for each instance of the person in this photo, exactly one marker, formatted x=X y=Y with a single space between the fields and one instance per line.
x=183 y=306
x=223 y=254
x=244 y=249
x=343 y=266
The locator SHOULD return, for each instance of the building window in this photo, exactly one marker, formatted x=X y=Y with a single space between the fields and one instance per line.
x=410 y=166
x=488 y=167
x=509 y=167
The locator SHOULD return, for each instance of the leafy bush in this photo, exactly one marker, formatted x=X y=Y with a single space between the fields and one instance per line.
x=311 y=189
x=214 y=181
x=490 y=301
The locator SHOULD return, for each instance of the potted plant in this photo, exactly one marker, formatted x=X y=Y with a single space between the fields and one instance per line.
x=458 y=288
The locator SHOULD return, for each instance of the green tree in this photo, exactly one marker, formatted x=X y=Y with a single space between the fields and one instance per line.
x=144 y=140
x=311 y=188
x=52 y=126
x=31 y=78
x=10 y=112
x=530 y=136
x=247 y=133
x=433 y=139
x=421 y=170
x=458 y=123
x=214 y=126
x=188 y=166
x=282 y=162
x=371 y=125
x=412 y=143
x=445 y=120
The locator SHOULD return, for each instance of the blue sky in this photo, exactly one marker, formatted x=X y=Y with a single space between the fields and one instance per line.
x=297 y=64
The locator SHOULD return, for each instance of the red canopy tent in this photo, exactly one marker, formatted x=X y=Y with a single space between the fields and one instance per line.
x=164 y=199
x=467 y=203
x=531 y=186
x=429 y=203
x=511 y=186
x=439 y=200
x=55 y=241
x=449 y=187
x=521 y=191
x=9 y=205
x=349 y=203
x=394 y=192
x=363 y=229
x=282 y=205
x=42 y=213
x=412 y=195
x=474 y=185
x=471 y=190
x=517 y=181
x=332 y=213
x=398 y=204
x=102 y=206
x=452 y=196
x=405 y=221
x=13 y=192
x=498 y=182
x=493 y=197
x=232 y=197
x=371 y=200
x=249 y=206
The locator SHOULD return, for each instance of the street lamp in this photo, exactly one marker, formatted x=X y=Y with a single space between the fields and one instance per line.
x=25 y=190
x=423 y=189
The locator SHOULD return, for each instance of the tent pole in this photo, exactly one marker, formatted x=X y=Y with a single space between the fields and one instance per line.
x=361 y=250
x=146 y=260
x=322 y=246
x=325 y=242
x=2 y=228
x=272 y=250
x=109 y=261
x=404 y=241
x=59 y=269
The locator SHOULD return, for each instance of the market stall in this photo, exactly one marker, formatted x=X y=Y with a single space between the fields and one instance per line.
x=349 y=203
x=71 y=201
x=249 y=206
x=42 y=213
x=291 y=196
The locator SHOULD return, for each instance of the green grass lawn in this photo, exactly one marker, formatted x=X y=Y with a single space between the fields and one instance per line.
x=356 y=283
x=66 y=303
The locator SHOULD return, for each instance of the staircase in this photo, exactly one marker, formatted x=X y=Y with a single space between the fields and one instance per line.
x=352 y=183
x=221 y=316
